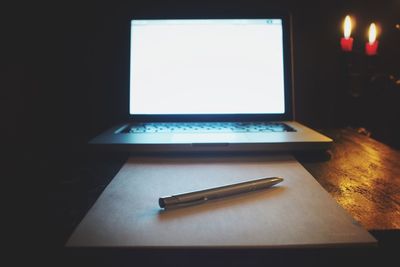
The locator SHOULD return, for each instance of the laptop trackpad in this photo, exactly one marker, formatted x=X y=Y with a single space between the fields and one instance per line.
x=223 y=138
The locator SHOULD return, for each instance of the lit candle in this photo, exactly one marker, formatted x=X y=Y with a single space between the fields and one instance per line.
x=371 y=47
x=347 y=42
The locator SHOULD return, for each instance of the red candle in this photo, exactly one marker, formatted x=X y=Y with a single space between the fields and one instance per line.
x=371 y=47
x=346 y=42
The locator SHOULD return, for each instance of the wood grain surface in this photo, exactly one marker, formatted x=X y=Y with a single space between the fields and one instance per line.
x=362 y=175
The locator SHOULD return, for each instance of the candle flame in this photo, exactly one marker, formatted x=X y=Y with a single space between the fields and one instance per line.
x=347 y=27
x=372 y=33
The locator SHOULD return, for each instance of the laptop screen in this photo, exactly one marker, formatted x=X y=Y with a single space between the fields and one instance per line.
x=215 y=66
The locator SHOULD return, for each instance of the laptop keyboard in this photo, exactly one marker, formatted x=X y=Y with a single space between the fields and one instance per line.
x=208 y=127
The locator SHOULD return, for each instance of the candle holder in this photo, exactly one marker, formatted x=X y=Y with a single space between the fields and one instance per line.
x=358 y=70
x=369 y=98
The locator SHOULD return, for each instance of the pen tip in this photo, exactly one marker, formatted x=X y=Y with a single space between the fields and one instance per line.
x=161 y=203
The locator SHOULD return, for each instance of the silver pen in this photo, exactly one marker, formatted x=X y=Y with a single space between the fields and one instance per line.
x=202 y=196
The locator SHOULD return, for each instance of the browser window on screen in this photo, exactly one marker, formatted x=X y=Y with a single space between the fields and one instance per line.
x=207 y=67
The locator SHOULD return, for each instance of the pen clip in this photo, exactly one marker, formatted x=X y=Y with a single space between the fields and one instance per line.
x=179 y=203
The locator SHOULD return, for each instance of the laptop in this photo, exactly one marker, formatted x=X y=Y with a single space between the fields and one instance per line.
x=211 y=85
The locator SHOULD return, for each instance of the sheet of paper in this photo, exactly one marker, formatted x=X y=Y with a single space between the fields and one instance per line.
x=297 y=212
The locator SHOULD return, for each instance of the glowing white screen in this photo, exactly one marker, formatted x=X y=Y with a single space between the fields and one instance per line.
x=206 y=67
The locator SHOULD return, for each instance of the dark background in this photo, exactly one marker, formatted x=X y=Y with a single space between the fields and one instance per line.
x=65 y=73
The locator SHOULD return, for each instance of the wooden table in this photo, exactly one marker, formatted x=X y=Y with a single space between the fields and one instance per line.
x=362 y=175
